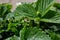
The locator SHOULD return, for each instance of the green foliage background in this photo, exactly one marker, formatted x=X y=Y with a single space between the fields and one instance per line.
x=30 y=21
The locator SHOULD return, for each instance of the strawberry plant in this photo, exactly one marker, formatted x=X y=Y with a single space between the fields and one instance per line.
x=39 y=20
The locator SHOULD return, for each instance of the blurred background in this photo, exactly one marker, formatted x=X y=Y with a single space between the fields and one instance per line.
x=14 y=2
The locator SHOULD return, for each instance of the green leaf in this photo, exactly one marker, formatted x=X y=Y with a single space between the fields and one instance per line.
x=51 y=17
x=43 y=6
x=26 y=10
x=54 y=36
x=33 y=33
x=1 y=19
x=22 y=34
x=13 y=17
x=13 y=38
x=9 y=16
x=5 y=9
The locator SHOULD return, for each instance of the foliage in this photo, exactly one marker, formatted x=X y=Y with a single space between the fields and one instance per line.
x=39 y=20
